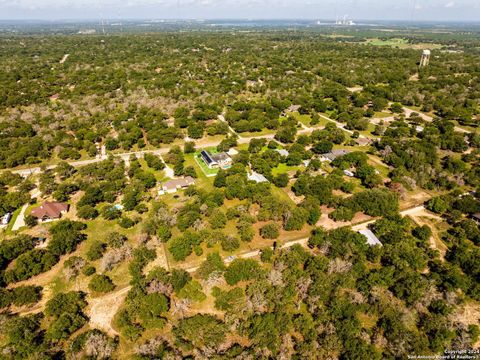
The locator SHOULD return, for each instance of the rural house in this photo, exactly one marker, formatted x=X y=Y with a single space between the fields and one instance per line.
x=49 y=211
x=172 y=186
x=220 y=160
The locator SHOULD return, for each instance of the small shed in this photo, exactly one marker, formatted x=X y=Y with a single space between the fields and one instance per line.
x=282 y=152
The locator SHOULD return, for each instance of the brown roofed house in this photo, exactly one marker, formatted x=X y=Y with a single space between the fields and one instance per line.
x=363 y=141
x=49 y=211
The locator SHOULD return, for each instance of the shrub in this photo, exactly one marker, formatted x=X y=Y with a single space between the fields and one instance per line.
x=116 y=240
x=241 y=270
x=89 y=270
x=87 y=212
x=230 y=243
x=270 y=231
x=126 y=222
x=24 y=295
x=96 y=250
x=101 y=283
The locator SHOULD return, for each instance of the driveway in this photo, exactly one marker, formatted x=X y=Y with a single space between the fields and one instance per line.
x=20 y=220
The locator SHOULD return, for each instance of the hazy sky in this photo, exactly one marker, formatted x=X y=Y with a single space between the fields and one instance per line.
x=252 y=9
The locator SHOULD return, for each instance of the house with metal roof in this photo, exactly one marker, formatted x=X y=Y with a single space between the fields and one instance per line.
x=476 y=218
x=363 y=141
x=371 y=238
x=258 y=178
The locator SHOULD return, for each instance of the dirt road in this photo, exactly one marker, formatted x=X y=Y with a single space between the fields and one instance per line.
x=101 y=310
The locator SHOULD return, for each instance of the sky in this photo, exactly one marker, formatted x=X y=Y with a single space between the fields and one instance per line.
x=417 y=10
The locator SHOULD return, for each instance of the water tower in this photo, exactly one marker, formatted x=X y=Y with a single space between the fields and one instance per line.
x=425 y=59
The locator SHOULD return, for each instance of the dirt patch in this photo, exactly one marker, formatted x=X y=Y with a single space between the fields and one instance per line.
x=72 y=211
x=160 y=261
x=329 y=224
x=102 y=309
x=424 y=217
x=468 y=314
x=38 y=307
x=355 y=89
x=296 y=199
x=415 y=199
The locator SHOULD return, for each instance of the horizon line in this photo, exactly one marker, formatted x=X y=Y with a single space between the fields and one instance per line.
x=236 y=19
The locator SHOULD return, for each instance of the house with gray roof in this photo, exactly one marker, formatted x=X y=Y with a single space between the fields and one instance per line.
x=172 y=186
x=332 y=155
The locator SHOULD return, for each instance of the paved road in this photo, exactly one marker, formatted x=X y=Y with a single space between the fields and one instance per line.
x=241 y=140
x=411 y=211
x=102 y=309
x=342 y=126
x=304 y=241
x=428 y=118
x=125 y=156
x=339 y=124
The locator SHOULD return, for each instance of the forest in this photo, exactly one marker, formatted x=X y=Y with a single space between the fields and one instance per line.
x=332 y=139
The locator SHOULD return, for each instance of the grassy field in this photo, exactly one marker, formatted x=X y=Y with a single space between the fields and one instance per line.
x=382 y=114
x=401 y=44
x=202 y=180
x=284 y=168
x=8 y=230
x=368 y=132
x=257 y=133
x=159 y=175
x=304 y=119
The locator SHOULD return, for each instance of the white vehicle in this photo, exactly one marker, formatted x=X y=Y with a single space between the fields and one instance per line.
x=230 y=259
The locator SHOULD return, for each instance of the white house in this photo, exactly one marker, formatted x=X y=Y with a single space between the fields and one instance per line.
x=220 y=160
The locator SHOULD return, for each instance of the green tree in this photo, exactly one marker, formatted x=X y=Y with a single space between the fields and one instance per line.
x=270 y=231
x=101 y=283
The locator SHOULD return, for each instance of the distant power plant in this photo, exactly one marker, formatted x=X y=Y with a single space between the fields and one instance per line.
x=344 y=21
x=425 y=59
